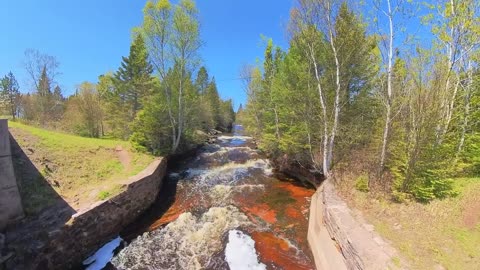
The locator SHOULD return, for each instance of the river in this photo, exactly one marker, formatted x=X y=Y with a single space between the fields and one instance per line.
x=223 y=209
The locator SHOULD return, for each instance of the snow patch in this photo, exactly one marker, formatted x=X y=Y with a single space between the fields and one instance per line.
x=240 y=252
x=103 y=256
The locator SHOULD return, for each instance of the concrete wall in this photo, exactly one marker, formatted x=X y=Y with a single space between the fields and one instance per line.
x=10 y=201
x=340 y=241
x=89 y=229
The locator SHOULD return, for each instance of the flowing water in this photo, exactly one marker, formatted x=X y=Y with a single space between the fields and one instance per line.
x=224 y=209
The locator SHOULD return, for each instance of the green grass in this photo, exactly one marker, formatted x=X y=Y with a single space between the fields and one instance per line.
x=430 y=234
x=54 y=140
x=86 y=169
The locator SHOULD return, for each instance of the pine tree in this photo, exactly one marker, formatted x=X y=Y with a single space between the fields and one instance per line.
x=213 y=100
x=201 y=83
x=133 y=79
x=10 y=94
x=44 y=97
x=58 y=106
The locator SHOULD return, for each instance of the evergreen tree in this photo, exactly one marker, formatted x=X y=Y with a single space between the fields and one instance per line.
x=57 y=94
x=10 y=94
x=44 y=98
x=58 y=106
x=214 y=103
x=133 y=79
x=202 y=81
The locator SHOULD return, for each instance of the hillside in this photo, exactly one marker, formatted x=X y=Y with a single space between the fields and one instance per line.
x=80 y=170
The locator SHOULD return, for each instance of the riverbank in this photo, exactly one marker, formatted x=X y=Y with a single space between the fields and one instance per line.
x=339 y=237
x=443 y=234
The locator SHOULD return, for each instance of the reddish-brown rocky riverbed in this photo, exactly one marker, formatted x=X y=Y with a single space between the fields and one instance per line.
x=224 y=209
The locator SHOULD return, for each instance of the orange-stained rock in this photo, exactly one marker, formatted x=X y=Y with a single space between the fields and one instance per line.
x=293 y=212
x=296 y=191
x=276 y=251
x=262 y=211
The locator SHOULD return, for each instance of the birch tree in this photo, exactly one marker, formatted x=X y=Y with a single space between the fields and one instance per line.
x=172 y=36
x=315 y=30
x=457 y=30
x=388 y=9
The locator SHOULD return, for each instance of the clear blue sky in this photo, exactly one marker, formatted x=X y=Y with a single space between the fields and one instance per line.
x=88 y=37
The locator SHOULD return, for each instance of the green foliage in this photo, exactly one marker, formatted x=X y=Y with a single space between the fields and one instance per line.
x=104 y=195
x=84 y=115
x=430 y=189
x=361 y=183
x=10 y=95
x=125 y=93
x=284 y=108
x=401 y=197
x=179 y=106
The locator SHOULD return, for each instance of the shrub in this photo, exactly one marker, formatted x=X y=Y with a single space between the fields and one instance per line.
x=361 y=183
x=401 y=197
x=434 y=189
x=104 y=195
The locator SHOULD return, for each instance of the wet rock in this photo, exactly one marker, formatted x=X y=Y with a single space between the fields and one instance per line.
x=214 y=132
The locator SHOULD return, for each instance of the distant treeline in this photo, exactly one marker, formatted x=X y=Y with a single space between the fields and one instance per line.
x=158 y=98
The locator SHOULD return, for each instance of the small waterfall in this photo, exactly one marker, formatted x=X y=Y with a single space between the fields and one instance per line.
x=229 y=212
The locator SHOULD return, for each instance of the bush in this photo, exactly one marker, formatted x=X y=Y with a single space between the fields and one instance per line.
x=401 y=197
x=361 y=183
x=434 y=189
x=104 y=195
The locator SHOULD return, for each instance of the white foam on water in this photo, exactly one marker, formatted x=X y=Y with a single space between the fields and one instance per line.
x=174 y=175
x=240 y=252
x=187 y=243
x=222 y=193
x=100 y=259
x=236 y=137
x=228 y=173
x=225 y=149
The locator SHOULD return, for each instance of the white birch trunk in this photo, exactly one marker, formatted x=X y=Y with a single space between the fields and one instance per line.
x=386 y=130
x=325 y=164
x=338 y=88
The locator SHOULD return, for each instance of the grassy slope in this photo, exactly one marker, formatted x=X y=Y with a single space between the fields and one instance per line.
x=445 y=232
x=82 y=170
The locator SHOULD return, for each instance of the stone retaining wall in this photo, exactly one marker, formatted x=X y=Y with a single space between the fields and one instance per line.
x=339 y=241
x=89 y=229
x=10 y=201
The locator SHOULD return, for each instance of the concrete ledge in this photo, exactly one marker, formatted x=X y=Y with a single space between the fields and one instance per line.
x=4 y=139
x=10 y=200
x=358 y=246
x=324 y=249
x=90 y=228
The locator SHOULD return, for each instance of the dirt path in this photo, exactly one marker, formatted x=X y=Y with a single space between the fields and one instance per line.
x=124 y=156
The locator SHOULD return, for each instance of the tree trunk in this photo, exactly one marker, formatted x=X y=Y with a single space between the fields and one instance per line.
x=337 y=98
x=388 y=116
x=466 y=112
x=325 y=165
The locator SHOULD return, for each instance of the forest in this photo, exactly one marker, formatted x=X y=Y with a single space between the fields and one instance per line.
x=350 y=94
x=161 y=98
x=353 y=139
x=346 y=90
